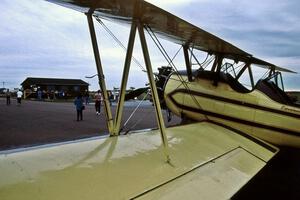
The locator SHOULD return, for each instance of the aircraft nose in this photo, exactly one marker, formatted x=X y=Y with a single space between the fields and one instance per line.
x=161 y=80
x=162 y=77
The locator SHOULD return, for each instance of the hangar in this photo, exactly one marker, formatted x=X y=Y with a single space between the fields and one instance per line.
x=53 y=87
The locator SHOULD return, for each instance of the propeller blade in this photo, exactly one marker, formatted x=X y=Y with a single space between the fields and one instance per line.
x=135 y=93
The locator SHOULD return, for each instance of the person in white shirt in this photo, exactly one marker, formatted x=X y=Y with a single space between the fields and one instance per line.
x=98 y=99
x=19 y=97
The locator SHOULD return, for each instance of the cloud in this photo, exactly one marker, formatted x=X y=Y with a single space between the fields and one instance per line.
x=267 y=29
x=39 y=38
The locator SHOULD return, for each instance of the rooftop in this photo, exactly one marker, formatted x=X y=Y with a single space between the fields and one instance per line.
x=53 y=81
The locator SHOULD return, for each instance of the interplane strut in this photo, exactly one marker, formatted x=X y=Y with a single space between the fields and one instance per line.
x=114 y=125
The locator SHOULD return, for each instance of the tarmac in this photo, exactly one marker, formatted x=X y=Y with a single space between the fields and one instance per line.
x=38 y=122
x=35 y=123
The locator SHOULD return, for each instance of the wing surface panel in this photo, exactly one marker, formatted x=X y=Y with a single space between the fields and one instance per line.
x=124 y=167
x=162 y=22
x=214 y=180
x=165 y=25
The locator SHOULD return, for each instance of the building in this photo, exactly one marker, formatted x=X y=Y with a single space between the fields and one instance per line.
x=51 y=88
x=2 y=90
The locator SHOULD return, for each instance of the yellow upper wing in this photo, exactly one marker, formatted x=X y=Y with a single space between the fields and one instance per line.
x=164 y=24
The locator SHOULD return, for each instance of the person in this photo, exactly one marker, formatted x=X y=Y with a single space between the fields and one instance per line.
x=87 y=97
x=19 y=97
x=98 y=99
x=8 y=97
x=52 y=95
x=110 y=97
x=48 y=95
x=64 y=95
x=78 y=102
x=39 y=92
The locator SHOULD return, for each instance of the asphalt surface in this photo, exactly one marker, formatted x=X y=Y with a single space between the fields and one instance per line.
x=35 y=123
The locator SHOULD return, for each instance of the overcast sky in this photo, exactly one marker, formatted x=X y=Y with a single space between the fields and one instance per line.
x=40 y=39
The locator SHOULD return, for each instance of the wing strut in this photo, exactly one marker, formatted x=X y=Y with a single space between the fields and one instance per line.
x=251 y=76
x=101 y=77
x=114 y=126
x=188 y=63
x=217 y=65
x=242 y=71
x=120 y=105
x=156 y=102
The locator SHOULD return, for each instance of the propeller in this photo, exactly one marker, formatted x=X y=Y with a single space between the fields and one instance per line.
x=135 y=93
x=160 y=78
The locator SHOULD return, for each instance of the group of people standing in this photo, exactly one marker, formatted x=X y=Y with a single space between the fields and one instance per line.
x=79 y=104
x=8 y=97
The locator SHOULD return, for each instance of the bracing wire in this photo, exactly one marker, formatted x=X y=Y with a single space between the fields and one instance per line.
x=198 y=63
x=265 y=75
x=201 y=64
x=240 y=67
x=131 y=115
x=234 y=69
x=162 y=50
x=134 y=60
x=157 y=43
x=165 y=54
x=207 y=62
x=118 y=41
x=176 y=54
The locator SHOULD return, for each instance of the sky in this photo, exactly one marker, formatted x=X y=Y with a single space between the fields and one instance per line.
x=41 y=39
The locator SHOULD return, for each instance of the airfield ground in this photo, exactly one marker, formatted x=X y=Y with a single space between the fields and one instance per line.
x=35 y=123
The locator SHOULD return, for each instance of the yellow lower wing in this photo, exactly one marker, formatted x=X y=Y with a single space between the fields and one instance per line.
x=207 y=162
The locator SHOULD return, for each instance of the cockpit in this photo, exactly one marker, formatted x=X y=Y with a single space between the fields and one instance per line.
x=272 y=86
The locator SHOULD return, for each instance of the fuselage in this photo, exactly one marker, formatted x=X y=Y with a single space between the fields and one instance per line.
x=253 y=112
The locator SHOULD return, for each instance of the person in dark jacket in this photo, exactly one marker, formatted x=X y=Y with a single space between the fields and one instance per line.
x=78 y=102
x=8 y=97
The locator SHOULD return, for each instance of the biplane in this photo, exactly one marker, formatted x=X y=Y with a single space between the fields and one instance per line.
x=264 y=111
x=212 y=158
